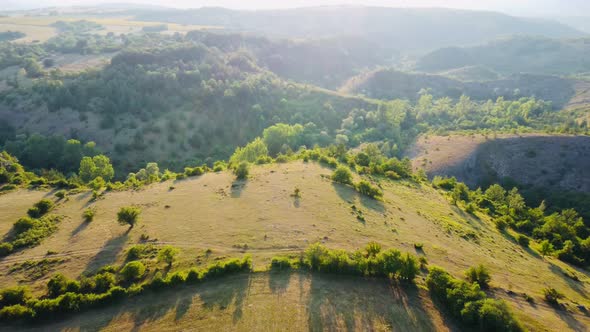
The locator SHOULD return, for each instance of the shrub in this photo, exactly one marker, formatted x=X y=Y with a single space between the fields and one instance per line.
x=23 y=224
x=365 y=188
x=133 y=271
x=140 y=251
x=128 y=215
x=392 y=175
x=33 y=231
x=14 y=295
x=57 y=285
x=342 y=175
x=196 y=171
x=479 y=274
x=61 y=194
x=40 y=208
x=501 y=224
x=552 y=296
x=523 y=240
x=16 y=312
x=168 y=255
x=88 y=214
x=373 y=248
x=242 y=171
x=5 y=249
x=103 y=282
x=281 y=263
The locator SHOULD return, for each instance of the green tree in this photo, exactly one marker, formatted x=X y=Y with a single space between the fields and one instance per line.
x=128 y=216
x=250 y=153
x=97 y=166
x=546 y=248
x=342 y=175
x=133 y=271
x=242 y=171
x=168 y=255
x=479 y=274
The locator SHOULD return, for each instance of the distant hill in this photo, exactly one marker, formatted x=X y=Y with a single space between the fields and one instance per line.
x=406 y=29
x=515 y=55
x=393 y=84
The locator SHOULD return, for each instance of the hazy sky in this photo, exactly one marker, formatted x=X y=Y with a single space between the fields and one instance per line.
x=520 y=7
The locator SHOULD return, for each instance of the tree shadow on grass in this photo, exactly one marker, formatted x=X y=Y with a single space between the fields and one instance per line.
x=278 y=281
x=237 y=187
x=108 y=254
x=577 y=286
x=373 y=204
x=83 y=225
x=354 y=303
x=346 y=193
x=569 y=319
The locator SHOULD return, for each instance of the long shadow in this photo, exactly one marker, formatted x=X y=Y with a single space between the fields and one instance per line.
x=83 y=225
x=108 y=254
x=278 y=281
x=346 y=193
x=372 y=204
x=237 y=187
x=353 y=303
x=570 y=320
x=577 y=286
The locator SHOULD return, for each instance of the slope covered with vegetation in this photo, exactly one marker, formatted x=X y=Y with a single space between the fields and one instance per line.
x=523 y=54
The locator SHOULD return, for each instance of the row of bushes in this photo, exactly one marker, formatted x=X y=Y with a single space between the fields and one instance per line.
x=30 y=231
x=372 y=262
x=343 y=175
x=469 y=304
x=23 y=308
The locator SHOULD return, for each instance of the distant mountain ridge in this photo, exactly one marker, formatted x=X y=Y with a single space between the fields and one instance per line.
x=407 y=29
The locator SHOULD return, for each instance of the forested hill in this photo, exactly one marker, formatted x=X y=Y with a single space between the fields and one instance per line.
x=397 y=28
x=515 y=55
x=392 y=84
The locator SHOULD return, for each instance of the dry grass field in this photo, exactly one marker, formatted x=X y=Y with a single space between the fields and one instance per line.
x=260 y=217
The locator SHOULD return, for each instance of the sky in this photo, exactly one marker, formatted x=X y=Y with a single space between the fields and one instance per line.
x=515 y=7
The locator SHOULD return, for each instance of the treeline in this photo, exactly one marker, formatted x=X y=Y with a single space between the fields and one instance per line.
x=109 y=285
x=564 y=234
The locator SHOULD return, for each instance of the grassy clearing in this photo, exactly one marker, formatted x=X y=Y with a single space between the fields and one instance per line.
x=213 y=217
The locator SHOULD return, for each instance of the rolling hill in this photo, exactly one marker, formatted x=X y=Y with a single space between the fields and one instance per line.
x=399 y=29
x=523 y=54
x=212 y=217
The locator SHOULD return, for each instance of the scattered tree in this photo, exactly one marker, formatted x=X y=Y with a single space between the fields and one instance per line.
x=128 y=216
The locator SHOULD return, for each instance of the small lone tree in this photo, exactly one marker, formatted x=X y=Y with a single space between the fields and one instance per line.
x=342 y=175
x=242 y=171
x=480 y=275
x=546 y=248
x=133 y=271
x=128 y=216
x=168 y=254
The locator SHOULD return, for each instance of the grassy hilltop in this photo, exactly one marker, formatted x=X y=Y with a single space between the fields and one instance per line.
x=214 y=217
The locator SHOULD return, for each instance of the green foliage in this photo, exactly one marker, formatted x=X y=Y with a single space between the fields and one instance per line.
x=168 y=255
x=97 y=166
x=552 y=295
x=469 y=304
x=366 y=188
x=14 y=295
x=281 y=135
x=29 y=232
x=40 y=208
x=128 y=215
x=342 y=175
x=251 y=153
x=140 y=251
x=88 y=214
x=523 y=240
x=388 y=263
x=242 y=171
x=133 y=271
x=480 y=275
x=283 y=263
